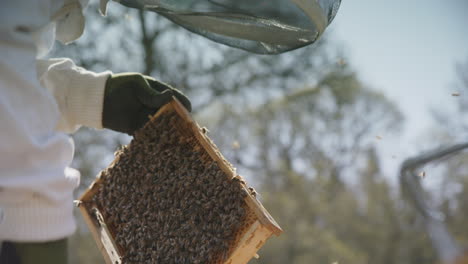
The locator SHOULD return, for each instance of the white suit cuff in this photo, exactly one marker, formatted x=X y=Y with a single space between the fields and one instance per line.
x=87 y=98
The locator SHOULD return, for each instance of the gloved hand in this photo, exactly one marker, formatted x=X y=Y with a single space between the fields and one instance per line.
x=129 y=99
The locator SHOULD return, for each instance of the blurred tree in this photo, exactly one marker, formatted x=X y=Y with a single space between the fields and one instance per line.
x=459 y=123
x=448 y=187
x=301 y=147
x=451 y=122
x=455 y=202
x=452 y=195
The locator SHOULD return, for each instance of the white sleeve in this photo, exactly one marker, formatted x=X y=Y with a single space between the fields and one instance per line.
x=79 y=93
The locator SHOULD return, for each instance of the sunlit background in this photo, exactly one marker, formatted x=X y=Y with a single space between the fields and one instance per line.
x=409 y=50
x=320 y=132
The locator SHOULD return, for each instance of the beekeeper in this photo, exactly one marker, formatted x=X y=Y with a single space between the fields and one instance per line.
x=41 y=100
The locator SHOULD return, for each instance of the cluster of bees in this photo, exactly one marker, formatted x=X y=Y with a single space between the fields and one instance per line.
x=166 y=201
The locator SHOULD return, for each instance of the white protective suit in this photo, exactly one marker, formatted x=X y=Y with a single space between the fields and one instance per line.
x=40 y=101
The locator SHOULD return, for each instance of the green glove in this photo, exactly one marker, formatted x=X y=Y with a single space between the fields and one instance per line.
x=54 y=252
x=129 y=99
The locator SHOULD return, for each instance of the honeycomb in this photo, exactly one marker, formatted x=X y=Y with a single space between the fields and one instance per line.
x=165 y=200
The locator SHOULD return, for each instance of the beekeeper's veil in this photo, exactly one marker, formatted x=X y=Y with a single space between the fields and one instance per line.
x=260 y=26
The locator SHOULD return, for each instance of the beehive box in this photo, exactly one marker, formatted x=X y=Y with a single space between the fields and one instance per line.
x=171 y=197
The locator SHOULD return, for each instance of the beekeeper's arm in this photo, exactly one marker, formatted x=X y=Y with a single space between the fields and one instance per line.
x=79 y=93
x=121 y=102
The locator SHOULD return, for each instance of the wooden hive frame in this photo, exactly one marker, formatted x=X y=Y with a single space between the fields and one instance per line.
x=254 y=234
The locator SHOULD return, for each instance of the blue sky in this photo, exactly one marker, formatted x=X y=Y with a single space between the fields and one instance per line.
x=408 y=50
